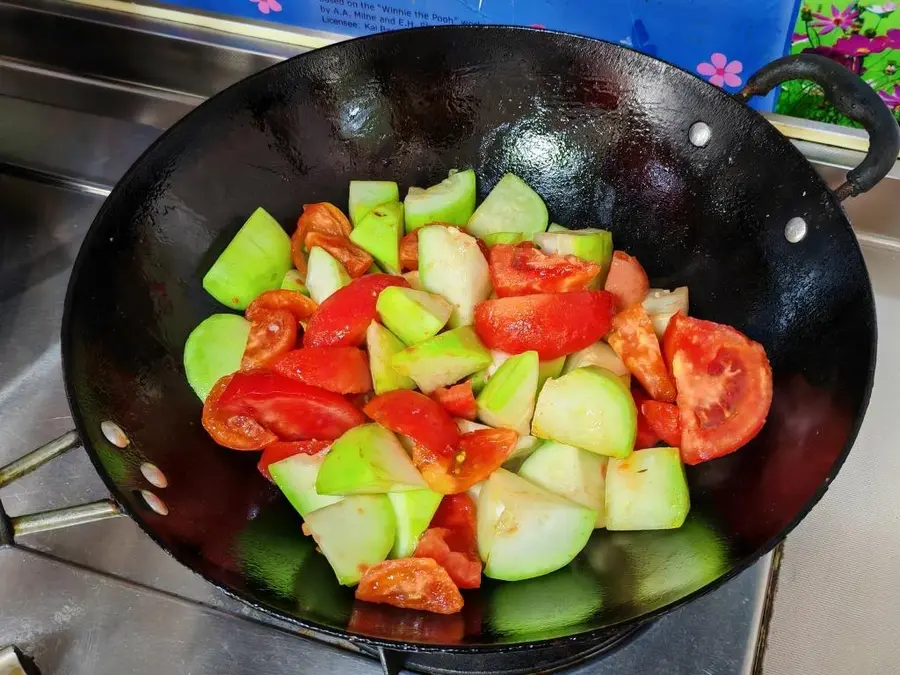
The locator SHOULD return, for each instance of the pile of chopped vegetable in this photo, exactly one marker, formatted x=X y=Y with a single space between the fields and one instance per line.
x=444 y=391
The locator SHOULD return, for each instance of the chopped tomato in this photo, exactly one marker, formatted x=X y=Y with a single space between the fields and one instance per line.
x=280 y=450
x=663 y=418
x=724 y=385
x=342 y=320
x=354 y=259
x=235 y=431
x=406 y=625
x=554 y=325
x=478 y=455
x=646 y=437
x=457 y=514
x=291 y=410
x=344 y=370
x=415 y=415
x=411 y=583
x=458 y=400
x=322 y=217
x=464 y=570
x=296 y=303
x=409 y=252
x=523 y=270
x=627 y=280
x=272 y=333
x=635 y=341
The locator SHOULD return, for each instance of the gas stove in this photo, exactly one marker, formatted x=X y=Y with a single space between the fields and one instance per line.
x=85 y=593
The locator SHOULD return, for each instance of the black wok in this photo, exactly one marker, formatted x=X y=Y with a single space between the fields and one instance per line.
x=604 y=135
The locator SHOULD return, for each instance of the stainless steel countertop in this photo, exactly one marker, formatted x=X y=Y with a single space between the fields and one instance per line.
x=102 y=598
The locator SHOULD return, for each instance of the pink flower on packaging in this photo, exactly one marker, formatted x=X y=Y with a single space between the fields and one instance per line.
x=266 y=6
x=721 y=71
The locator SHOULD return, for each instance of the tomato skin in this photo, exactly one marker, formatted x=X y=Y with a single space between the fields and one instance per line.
x=293 y=411
x=342 y=320
x=478 y=455
x=646 y=436
x=554 y=325
x=296 y=303
x=463 y=570
x=724 y=382
x=409 y=252
x=525 y=270
x=237 y=432
x=634 y=340
x=275 y=452
x=343 y=370
x=354 y=259
x=665 y=421
x=627 y=280
x=272 y=333
x=458 y=400
x=322 y=217
x=406 y=625
x=411 y=583
x=415 y=415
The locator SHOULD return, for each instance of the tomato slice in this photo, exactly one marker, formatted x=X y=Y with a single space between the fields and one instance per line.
x=554 y=325
x=354 y=259
x=415 y=415
x=478 y=455
x=411 y=583
x=322 y=217
x=406 y=625
x=344 y=370
x=272 y=333
x=457 y=514
x=409 y=251
x=663 y=419
x=724 y=385
x=524 y=270
x=634 y=340
x=296 y=303
x=275 y=452
x=646 y=437
x=463 y=569
x=458 y=400
x=342 y=320
x=235 y=431
x=293 y=411
x=627 y=280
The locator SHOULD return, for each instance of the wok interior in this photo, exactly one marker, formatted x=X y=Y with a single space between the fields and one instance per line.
x=602 y=134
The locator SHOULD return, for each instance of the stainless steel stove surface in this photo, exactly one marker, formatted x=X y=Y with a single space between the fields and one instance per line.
x=101 y=598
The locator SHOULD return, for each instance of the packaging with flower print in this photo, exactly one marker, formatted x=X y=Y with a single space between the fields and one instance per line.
x=722 y=41
x=864 y=37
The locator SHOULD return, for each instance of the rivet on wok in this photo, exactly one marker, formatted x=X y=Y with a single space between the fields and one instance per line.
x=699 y=134
x=114 y=434
x=155 y=503
x=153 y=475
x=795 y=230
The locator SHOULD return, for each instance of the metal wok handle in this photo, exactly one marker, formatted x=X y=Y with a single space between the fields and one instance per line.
x=850 y=95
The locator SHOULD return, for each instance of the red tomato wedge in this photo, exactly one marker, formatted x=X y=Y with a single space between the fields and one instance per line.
x=344 y=370
x=341 y=320
x=664 y=420
x=458 y=400
x=646 y=437
x=409 y=252
x=283 y=449
x=456 y=513
x=627 y=280
x=272 y=333
x=524 y=270
x=411 y=583
x=634 y=340
x=406 y=625
x=235 y=431
x=322 y=217
x=478 y=455
x=296 y=303
x=462 y=568
x=724 y=385
x=554 y=325
x=291 y=410
x=354 y=259
x=415 y=415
